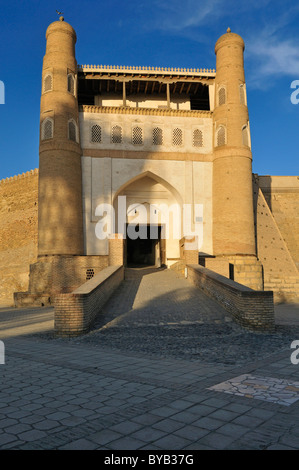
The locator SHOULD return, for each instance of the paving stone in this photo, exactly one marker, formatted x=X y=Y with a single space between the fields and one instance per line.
x=58 y=416
x=248 y=421
x=168 y=425
x=126 y=427
x=80 y=444
x=231 y=429
x=32 y=419
x=17 y=428
x=172 y=442
x=33 y=435
x=104 y=437
x=19 y=414
x=126 y=443
x=185 y=417
x=164 y=411
x=217 y=441
x=237 y=407
x=6 y=422
x=201 y=410
x=148 y=434
x=5 y=438
x=147 y=419
x=46 y=424
x=192 y=433
x=223 y=415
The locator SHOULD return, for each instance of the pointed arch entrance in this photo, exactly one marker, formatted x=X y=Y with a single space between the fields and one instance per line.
x=152 y=209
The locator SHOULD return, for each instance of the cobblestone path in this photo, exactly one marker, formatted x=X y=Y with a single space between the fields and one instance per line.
x=156 y=313
x=151 y=297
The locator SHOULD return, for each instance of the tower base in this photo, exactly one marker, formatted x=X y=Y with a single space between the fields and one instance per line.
x=57 y=274
x=244 y=269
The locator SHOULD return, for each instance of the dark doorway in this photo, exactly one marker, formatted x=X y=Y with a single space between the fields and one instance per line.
x=144 y=251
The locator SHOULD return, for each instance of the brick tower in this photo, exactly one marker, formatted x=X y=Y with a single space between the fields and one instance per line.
x=60 y=180
x=233 y=213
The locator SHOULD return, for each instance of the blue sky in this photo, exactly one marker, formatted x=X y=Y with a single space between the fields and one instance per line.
x=166 y=33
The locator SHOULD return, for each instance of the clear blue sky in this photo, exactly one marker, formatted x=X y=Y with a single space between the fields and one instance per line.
x=169 y=33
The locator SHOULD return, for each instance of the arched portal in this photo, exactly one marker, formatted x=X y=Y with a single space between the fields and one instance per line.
x=150 y=210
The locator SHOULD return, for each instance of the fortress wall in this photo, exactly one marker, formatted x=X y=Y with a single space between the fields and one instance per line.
x=18 y=232
x=277 y=222
x=278 y=201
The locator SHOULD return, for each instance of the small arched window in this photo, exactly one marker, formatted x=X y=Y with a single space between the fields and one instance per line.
x=137 y=137
x=96 y=133
x=71 y=83
x=221 y=96
x=47 y=129
x=72 y=130
x=177 y=137
x=197 y=138
x=48 y=83
x=157 y=136
x=221 y=137
x=242 y=94
x=245 y=137
x=116 y=135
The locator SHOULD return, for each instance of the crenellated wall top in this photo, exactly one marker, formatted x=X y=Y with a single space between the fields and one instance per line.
x=20 y=176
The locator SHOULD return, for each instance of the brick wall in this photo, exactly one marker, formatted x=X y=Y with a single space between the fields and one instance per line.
x=251 y=309
x=76 y=311
x=116 y=250
x=18 y=232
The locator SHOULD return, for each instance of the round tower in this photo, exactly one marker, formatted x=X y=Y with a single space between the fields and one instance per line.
x=60 y=229
x=233 y=216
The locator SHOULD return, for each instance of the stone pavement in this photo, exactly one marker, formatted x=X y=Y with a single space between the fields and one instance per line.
x=163 y=369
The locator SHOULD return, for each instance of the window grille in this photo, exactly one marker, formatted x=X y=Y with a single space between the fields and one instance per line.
x=221 y=136
x=72 y=131
x=157 y=136
x=89 y=273
x=177 y=137
x=197 y=138
x=96 y=133
x=137 y=138
x=71 y=83
x=48 y=83
x=116 y=135
x=221 y=96
x=47 y=129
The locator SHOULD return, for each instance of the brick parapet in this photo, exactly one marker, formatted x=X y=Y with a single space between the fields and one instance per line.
x=75 y=312
x=253 y=310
